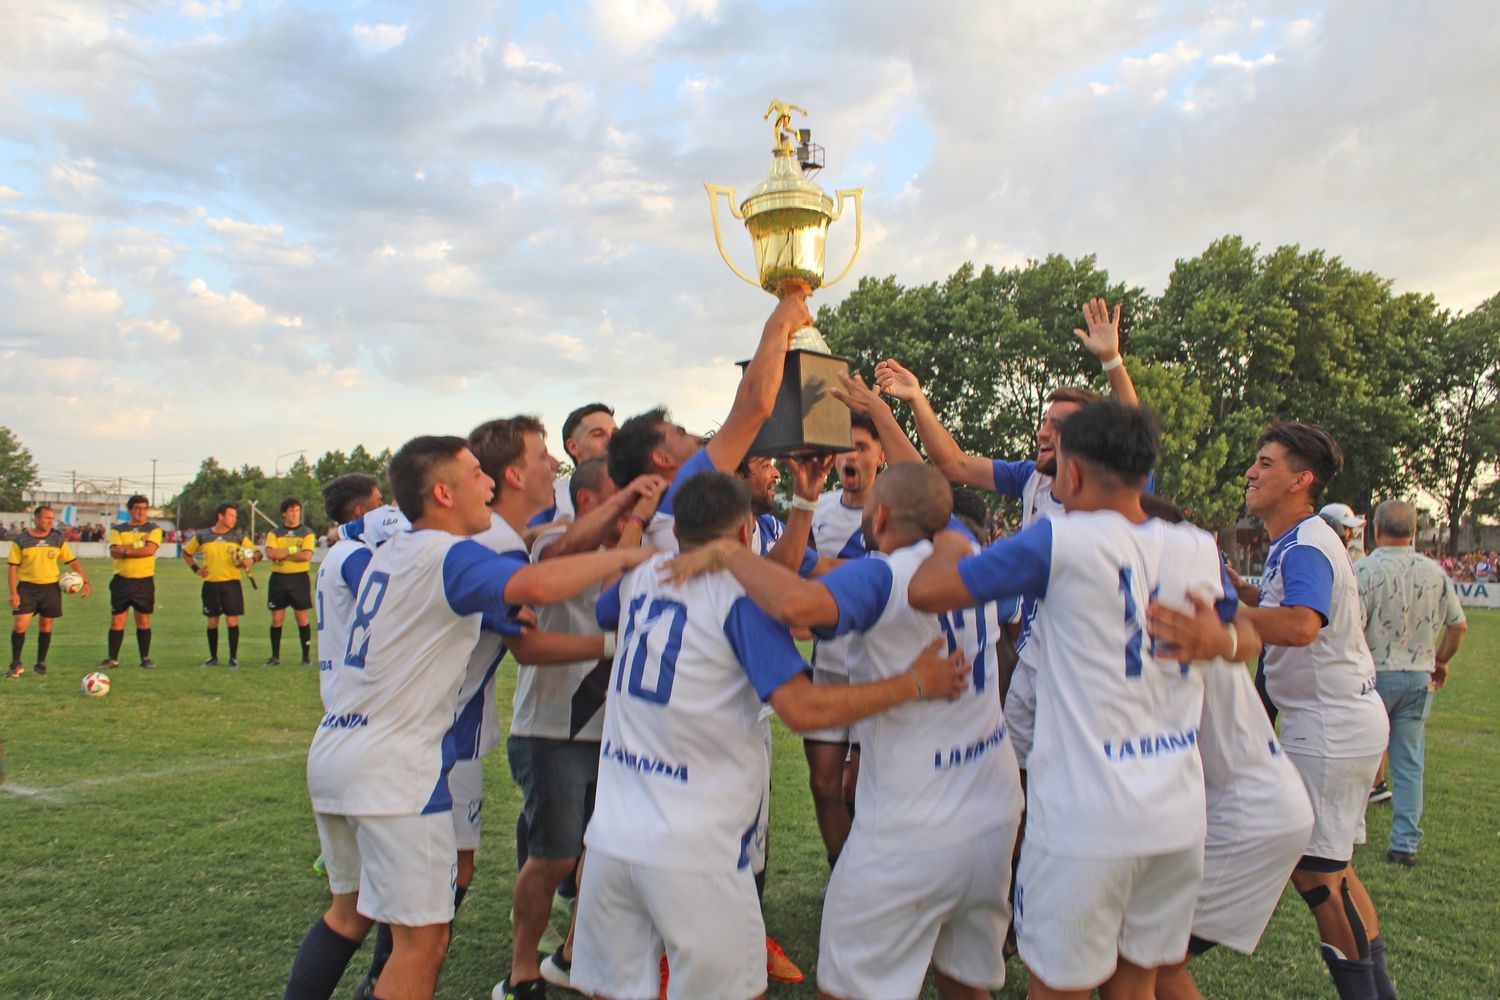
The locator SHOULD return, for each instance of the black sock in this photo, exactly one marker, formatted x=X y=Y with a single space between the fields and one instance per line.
x=276 y=641
x=760 y=887
x=43 y=643
x=116 y=640
x=17 y=646
x=1353 y=978
x=143 y=642
x=213 y=644
x=1384 y=988
x=304 y=635
x=234 y=642
x=319 y=964
x=383 y=945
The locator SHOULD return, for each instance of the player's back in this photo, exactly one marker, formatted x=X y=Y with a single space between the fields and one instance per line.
x=477 y=726
x=683 y=761
x=336 y=587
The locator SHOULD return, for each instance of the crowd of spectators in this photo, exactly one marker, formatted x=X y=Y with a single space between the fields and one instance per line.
x=1478 y=566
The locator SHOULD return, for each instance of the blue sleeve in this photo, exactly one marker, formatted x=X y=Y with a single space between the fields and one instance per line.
x=1307 y=580
x=1150 y=486
x=700 y=462
x=765 y=649
x=1010 y=477
x=353 y=530
x=1228 y=605
x=500 y=621
x=607 y=610
x=809 y=562
x=354 y=568
x=861 y=588
x=544 y=517
x=474 y=578
x=1017 y=566
x=954 y=524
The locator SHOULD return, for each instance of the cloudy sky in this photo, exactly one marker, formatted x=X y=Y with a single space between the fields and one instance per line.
x=245 y=227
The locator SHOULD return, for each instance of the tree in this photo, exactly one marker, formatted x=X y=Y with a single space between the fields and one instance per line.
x=214 y=485
x=17 y=470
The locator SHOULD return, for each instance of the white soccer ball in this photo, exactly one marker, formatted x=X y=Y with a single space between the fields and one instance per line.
x=71 y=582
x=247 y=558
x=95 y=685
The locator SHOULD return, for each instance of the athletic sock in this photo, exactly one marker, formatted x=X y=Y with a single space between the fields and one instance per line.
x=43 y=643
x=17 y=646
x=213 y=644
x=1384 y=988
x=304 y=635
x=384 y=942
x=320 y=963
x=143 y=642
x=276 y=642
x=116 y=640
x=234 y=642
x=1353 y=978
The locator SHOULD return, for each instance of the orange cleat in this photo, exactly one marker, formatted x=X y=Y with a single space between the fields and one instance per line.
x=778 y=966
x=666 y=974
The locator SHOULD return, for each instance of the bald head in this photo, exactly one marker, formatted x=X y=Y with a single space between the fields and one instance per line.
x=1396 y=522
x=916 y=498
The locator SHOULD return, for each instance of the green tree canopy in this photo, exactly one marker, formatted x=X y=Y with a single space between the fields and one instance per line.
x=17 y=470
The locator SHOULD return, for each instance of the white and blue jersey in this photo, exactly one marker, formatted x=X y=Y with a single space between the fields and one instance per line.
x=932 y=774
x=660 y=531
x=683 y=765
x=1114 y=767
x=386 y=743
x=376 y=527
x=562 y=503
x=766 y=530
x=476 y=729
x=1325 y=690
x=339 y=575
x=837 y=533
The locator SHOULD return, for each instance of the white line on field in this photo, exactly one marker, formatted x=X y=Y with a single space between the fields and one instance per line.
x=57 y=793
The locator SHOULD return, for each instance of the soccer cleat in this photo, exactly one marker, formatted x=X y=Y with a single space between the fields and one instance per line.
x=234 y=664
x=557 y=970
x=1380 y=793
x=778 y=966
x=531 y=989
x=108 y=664
x=212 y=661
x=40 y=669
x=148 y=664
x=271 y=661
x=306 y=662
x=1406 y=859
x=16 y=670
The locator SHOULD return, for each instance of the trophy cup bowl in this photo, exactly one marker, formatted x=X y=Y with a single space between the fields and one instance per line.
x=787 y=216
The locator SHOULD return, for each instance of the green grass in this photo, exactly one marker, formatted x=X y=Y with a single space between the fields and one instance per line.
x=158 y=841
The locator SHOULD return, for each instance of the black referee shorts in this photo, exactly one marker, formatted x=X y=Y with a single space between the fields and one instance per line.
x=293 y=590
x=43 y=599
x=127 y=593
x=226 y=597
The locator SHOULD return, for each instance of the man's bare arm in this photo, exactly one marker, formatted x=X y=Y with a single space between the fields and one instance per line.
x=1286 y=626
x=538 y=648
x=1102 y=338
x=949 y=459
x=756 y=395
x=860 y=398
x=808 y=477
x=935 y=675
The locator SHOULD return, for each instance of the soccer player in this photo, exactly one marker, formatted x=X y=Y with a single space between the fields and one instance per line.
x=1116 y=817
x=649 y=443
x=1319 y=673
x=682 y=768
x=347 y=498
x=290 y=549
x=924 y=876
x=586 y=433
x=133 y=544
x=227 y=551
x=34 y=558
x=377 y=770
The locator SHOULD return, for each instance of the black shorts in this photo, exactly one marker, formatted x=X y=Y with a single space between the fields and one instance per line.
x=292 y=590
x=136 y=593
x=43 y=599
x=226 y=597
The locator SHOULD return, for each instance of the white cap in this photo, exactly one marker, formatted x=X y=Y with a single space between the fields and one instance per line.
x=1342 y=513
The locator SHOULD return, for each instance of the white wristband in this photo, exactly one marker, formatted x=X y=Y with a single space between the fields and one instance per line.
x=800 y=504
x=1112 y=363
x=609 y=645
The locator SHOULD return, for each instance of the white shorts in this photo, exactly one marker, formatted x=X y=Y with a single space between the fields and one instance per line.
x=1339 y=788
x=1074 y=915
x=840 y=734
x=887 y=917
x=403 y=867
x=1020 y=709
x=466 y=785
x=709 y=925
x=1242 y=883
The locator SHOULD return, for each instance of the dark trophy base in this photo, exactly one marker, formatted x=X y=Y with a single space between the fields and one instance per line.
x=806 y=419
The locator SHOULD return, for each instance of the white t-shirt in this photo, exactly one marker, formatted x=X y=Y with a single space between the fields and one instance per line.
x=837 y=533
x=1326 y=689
x=1020 y=479
x=477 y=728
x=385 y=746
x=339 y=575
x=1114 y=769
x=682 y=768
x=562 y=702
x=932 y=774
x=376 y=527
x=660 y=531
x=766 y=531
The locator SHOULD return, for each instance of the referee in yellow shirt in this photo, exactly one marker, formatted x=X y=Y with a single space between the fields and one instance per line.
x=133 y=544
x=34 y=557
x=226 y=551
x=290 y=549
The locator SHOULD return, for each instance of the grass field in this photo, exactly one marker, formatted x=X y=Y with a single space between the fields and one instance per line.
x=158 y=841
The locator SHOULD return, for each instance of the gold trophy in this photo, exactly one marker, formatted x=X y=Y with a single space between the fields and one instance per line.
x=788 y=216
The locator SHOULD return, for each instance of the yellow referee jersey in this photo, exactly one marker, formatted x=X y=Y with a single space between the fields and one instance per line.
x=221 y=553
x=39 y=559
x=137 y=537
x=294 y=540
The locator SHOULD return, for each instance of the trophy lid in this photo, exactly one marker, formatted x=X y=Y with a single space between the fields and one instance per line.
x=785 y=186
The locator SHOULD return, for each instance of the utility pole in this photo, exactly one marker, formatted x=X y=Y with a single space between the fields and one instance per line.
x=153 y=482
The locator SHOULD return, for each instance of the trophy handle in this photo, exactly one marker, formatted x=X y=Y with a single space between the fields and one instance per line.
x=859 y=217
x=714 y=190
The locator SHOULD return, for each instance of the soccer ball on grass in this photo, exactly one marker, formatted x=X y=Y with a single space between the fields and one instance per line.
x=95 y=685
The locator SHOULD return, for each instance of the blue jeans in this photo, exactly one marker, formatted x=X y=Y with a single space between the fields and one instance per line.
x=1407 y=702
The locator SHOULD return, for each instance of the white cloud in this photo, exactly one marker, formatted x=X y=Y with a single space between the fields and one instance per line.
x=1240 y=62
x=235 y=309
x=10 y=194
x=207 y=9
x=378 y=38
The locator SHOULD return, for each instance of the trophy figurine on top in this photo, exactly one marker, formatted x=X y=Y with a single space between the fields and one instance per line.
x=788 y=217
